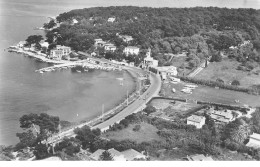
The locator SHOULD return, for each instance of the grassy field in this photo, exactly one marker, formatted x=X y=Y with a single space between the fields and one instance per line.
x=226 y=70
x=168 y=110
x=146 y=133
x=205 y=93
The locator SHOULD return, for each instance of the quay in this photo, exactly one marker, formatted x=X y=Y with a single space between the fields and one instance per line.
x=90 y=64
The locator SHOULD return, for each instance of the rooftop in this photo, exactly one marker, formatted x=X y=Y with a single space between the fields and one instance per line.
x=254 y=141
x=96 y=154
x=199 y=157
x=225 y=113
x=195 y=118
x=131 y=154
x=255 y=136
x=166 y=68
x=114 y=152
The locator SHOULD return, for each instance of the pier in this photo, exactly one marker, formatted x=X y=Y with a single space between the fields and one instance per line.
x=89 y=64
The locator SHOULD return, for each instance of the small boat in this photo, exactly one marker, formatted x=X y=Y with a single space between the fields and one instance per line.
x=78 y=70
x=86 y=70
x=41 y=72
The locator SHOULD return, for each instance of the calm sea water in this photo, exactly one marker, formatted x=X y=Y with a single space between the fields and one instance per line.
x=62 y=93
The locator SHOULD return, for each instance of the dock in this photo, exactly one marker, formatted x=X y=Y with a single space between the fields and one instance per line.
x=88 y=64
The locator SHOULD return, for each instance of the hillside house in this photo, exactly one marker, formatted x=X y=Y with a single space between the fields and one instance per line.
x=167 y=70
x=111 y=19
x=74 y=21
x=224 y=116
x=44 y=44
x=132 y=154
x=126 y=38
x=109 y=47
x=99 y=42
x=254 y=141
x=131 y=50
x=197 y=121
x=59 y=51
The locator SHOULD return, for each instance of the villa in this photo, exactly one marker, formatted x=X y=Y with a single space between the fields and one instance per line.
x=126 y=38
x=111 y=19
x=109 y=47
x=132 y=154
x=197 y=121
x=167 y=71
x=44 y=44
x=99 y=42
x=59 y=51
x=131 y=50
x=254 y=141
x=221 y=116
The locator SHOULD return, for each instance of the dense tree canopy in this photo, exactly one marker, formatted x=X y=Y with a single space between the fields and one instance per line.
x=165 y=30
x=34 y=39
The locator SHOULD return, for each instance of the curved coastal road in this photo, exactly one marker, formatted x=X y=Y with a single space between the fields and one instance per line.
x=137 y=105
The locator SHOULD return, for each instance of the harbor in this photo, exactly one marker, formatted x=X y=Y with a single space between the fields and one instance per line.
x=65 y=64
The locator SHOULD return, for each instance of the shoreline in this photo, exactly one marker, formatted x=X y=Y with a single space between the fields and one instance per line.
x=115 y=109
x=118 y=107
x=34 y=54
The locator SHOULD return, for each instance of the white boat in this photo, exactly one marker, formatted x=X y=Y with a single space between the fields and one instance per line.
x=41 y=72
x=86 y=70
x=78 y=70
x=47 y=70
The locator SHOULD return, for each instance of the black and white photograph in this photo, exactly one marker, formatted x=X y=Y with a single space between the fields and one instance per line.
x=129 y=80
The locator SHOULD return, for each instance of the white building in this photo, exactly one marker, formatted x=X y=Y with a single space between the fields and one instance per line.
x=167 y=70
x=59 y=51
x=254 y=141
x=132 y=154
x=44 y=44
x=197 y=121
x=111 y=19
x=224 y=116
x=99 y=42
x=110 y=47
x=74 y=21
x=126 y=38
x=149 y=61
x=131 y=50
